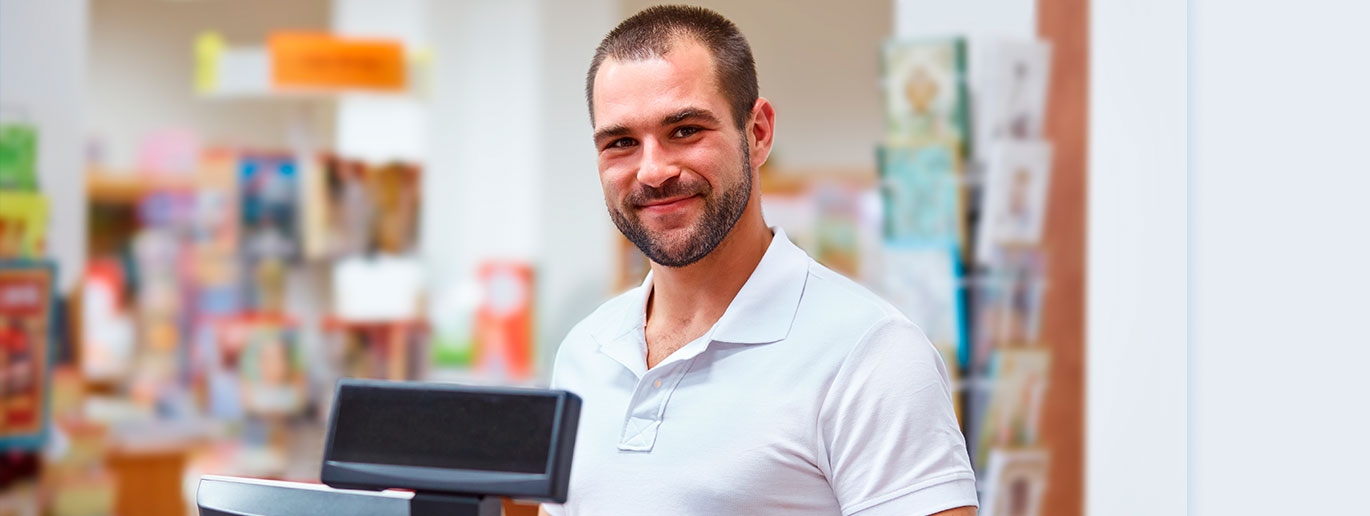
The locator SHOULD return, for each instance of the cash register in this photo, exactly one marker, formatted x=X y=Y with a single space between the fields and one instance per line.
x=421 y=449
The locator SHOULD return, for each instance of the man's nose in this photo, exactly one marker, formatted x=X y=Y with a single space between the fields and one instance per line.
x=657 y=166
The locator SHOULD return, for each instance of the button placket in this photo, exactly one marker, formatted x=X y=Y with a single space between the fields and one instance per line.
x=649 y=406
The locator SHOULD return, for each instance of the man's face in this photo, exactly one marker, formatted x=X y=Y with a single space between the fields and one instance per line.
x=675 y=169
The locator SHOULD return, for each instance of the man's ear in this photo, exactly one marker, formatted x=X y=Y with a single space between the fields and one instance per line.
x=761 y=131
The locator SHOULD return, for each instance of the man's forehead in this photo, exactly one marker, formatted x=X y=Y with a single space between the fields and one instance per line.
x=633 y=90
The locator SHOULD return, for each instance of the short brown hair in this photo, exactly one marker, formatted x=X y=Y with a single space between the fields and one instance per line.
x=654 y=30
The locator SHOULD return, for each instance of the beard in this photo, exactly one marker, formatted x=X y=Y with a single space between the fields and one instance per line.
x=721 y=212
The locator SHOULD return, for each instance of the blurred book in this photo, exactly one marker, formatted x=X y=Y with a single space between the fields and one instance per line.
x=26 y=326
x=364 y=208
x=504 y=321
x=1011 y=418
x=922 y=192
x=1014 y=483
x=839 y=233
x=1015 y=207
x=1011 y=83
x=107 y=343
x=23 y=224
x=18 y=157
x=257 y=368
x=925 y=91
x=394 y=192
x=269 y=203
x=1008 y=303
x=271 y=366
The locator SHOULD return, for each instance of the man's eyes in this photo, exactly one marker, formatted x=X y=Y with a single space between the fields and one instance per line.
x=679 y=132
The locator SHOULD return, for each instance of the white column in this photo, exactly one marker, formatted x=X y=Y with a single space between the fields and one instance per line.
x=379 y=128
x=1136 y=279
x=43 y=81
x=512 y=170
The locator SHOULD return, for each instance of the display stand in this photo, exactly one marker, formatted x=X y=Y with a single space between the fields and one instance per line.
x=438 y=504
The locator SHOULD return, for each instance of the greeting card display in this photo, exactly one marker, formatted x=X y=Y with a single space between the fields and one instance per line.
x=925 y=90
x=1015 y=401
x=1012 y=80
x=922 y=192
x=1014 y=482
x=1015 y=205
x=1008 y=303
x=925 y=284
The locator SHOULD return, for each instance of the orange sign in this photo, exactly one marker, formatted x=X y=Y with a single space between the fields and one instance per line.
x=316 y=60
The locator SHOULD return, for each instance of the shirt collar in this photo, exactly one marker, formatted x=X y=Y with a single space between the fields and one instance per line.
x=762 y=312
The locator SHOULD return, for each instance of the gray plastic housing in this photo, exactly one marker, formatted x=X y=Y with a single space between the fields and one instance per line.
x=550 y=484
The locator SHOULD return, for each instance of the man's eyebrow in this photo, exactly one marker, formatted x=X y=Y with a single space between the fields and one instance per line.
x=615 y=130
x=690 y=114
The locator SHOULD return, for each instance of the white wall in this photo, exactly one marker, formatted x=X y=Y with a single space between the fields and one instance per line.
x=141 y=65
x=42 y=76
x=577 y=264
x=1136 y=279
x=1278 y=256
x=1011 y=18
x=512 y=166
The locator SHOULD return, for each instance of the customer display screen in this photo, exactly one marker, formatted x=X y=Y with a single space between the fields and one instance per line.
x=444 y=429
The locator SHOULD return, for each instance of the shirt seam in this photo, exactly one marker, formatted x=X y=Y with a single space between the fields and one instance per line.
x=926 y=484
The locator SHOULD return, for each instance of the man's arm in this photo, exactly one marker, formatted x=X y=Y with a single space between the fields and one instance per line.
x=889 y=428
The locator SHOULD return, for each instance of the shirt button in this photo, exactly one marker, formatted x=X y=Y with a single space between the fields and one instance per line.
x=657 y=384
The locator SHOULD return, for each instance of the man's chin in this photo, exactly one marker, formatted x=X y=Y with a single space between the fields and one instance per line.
x=672 y=249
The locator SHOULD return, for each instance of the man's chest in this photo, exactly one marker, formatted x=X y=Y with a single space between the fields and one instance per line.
x=662 y=341
x=721 y=426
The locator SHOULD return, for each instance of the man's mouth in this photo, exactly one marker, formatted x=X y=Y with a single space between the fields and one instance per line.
x=666 y=205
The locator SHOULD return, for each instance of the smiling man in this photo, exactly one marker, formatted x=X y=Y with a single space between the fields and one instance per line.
x=742 y=377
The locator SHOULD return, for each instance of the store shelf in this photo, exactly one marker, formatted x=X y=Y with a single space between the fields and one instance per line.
x=105 y=186
x=125 y=188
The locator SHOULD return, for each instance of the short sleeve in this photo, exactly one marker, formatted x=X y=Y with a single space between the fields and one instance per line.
x=892 y=441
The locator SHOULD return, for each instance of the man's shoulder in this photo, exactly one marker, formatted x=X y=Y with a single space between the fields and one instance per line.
x=842 y=299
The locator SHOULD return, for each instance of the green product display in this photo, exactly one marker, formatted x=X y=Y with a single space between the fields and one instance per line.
x=18 y=156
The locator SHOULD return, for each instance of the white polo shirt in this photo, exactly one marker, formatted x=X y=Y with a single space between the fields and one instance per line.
x=810 y=395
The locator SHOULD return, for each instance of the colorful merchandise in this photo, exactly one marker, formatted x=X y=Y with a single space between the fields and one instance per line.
x=504 y=322
x=23 y=225
x=26 y=329
x=18 y=157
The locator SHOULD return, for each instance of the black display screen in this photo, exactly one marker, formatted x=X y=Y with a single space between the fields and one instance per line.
x=443 y=429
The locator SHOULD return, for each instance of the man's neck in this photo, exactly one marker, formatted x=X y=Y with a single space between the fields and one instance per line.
x=695 y=296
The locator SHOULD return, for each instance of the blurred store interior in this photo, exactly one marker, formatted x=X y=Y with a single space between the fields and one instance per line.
x=211 y=210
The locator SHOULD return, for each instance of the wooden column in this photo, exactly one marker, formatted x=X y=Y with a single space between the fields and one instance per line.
x=1065 y=23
